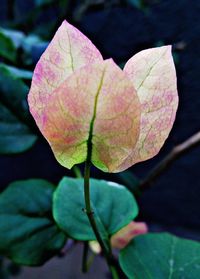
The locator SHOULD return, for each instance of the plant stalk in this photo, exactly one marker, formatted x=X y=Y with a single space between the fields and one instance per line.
x=85 y=256
x=108 y=254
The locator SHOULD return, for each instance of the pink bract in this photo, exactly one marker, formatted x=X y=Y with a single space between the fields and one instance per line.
x=128 y=113
x=122 y=238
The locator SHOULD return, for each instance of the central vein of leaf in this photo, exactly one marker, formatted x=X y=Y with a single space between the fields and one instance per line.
x=149 y=72
x=89 y=141
x=70 y=52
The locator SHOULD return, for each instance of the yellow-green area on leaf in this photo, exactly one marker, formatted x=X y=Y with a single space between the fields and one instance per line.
x=81 y=102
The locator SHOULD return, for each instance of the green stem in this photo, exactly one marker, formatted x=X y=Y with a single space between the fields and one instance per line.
x=108 y=254
x=114 y=273
x=89 y=211
x=77 y=172
x=85 y=257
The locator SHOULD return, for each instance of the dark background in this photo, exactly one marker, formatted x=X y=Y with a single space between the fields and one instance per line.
x=120 y=29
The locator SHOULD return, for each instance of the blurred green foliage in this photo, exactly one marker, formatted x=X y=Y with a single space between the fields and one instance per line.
x=15 y=131
x=28 y=234
x=7 y=49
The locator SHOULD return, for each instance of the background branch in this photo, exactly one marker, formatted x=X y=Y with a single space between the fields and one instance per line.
x=176 y=152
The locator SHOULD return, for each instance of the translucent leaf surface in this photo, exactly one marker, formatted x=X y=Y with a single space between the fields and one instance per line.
x=81 y=102
x=153 y=75
x=68 y=51
x=98 y=100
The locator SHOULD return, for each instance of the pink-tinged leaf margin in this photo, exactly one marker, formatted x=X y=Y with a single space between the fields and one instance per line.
x=153 y=75
x=68 y=51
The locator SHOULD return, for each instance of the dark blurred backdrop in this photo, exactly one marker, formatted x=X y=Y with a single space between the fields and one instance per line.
x=120 y=29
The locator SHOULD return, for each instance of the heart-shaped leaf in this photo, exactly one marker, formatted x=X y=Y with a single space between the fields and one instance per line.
x=161 y=255
x=28 y=233
x=113 y=205
x=111 y=119
x=15 y=135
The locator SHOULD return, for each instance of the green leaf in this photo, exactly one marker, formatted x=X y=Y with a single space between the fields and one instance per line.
x=28 y=233
x=113 y=206
x=7 y=49
x=16 y=72
x=161 y=256
x=15 y=134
